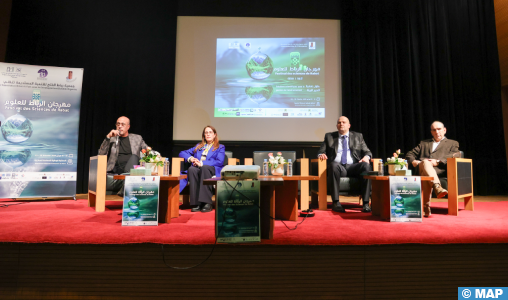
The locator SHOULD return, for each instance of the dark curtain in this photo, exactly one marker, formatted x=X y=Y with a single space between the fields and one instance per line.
x=127 y=50
x=409 y=63
x=405 y=63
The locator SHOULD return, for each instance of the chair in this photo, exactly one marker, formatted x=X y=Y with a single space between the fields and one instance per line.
x=97 y=182
x=300 y=167
x=178 y=165
x=443 y=178
x=458 y=180
x=460 y=183
x=348 y=186
x=101 y=184
x=114 y=186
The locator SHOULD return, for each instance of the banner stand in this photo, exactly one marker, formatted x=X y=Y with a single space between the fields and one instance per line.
x=237 y=213
x=39 y=125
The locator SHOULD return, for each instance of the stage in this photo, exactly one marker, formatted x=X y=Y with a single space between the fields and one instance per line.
x=62 y=249
x=73 y=222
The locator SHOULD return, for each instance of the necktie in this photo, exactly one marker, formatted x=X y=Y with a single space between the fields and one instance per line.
x=343 y=159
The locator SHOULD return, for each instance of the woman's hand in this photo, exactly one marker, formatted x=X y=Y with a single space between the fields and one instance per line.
x=195 y=161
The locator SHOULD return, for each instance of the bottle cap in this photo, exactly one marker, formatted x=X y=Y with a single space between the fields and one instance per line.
x=266 y=160
x=289 y=160
x=167 y=158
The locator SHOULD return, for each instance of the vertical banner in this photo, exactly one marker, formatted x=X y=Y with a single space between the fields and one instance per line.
x=405 y=199
x=141 y=201
x=39 y=124
x=237 y=211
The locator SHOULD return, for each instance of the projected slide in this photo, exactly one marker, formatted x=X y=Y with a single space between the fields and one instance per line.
x=270 y=78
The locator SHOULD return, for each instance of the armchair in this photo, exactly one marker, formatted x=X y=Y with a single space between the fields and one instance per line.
x=97 y=182
x=101 y=184
x=300 y=167
x=460 y=183
x=178 y=164
x=458 y=180
x=348 y=186
x=443 y=177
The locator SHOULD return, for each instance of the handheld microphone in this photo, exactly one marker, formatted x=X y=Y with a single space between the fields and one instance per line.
x=117 y=138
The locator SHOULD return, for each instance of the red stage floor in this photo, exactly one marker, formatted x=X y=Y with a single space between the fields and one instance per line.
x=72 y=222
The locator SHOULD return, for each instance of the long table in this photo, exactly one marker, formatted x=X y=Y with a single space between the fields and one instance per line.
x=278 y=199
x=169 y=189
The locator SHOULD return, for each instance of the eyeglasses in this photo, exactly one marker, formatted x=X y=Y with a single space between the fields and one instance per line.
x=120 y=124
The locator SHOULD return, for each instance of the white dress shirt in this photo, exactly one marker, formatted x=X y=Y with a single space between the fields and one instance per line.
x=338 y=158
x=435 y=144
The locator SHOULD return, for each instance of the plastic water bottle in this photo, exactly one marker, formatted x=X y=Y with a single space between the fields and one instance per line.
x=290 y=167
x=265 y=167
x=380 y=170
x=166 y=167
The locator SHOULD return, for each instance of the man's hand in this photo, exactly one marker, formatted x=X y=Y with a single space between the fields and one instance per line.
x=365 y=159
x=112 y=133
x=433 y=161
x=322 y=157
x=416 y=163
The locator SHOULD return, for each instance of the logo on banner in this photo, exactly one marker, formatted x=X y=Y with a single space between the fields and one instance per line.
x=13 y=69
x=13 y=72
x=69 y=77
x=234 y=45
x=312 y=45
x=36 y=96
x=43 y=73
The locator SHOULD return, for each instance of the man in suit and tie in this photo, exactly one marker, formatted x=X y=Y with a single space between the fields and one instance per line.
x=348 y=156
x=123 y=150
x=430 y=159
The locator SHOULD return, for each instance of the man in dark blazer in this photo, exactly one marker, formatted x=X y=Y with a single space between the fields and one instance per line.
x=430 y=159
x=348 y=156
x=123 y=150
x=122 y=146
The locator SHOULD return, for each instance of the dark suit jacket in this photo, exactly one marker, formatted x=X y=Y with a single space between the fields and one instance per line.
x=444 y=150
x=357 y=146
x=109 y=148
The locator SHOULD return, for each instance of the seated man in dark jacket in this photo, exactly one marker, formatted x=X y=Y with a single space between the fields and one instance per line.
x=430 y=159
x=123 y=150
x=348 y=156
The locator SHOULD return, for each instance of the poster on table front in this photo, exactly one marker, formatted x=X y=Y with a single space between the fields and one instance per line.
x=237 y=218
x=39 y=124
x=405 y=199
x=141 y=201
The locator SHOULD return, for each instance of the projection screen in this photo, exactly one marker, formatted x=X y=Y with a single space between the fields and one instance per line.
x=257 y=79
